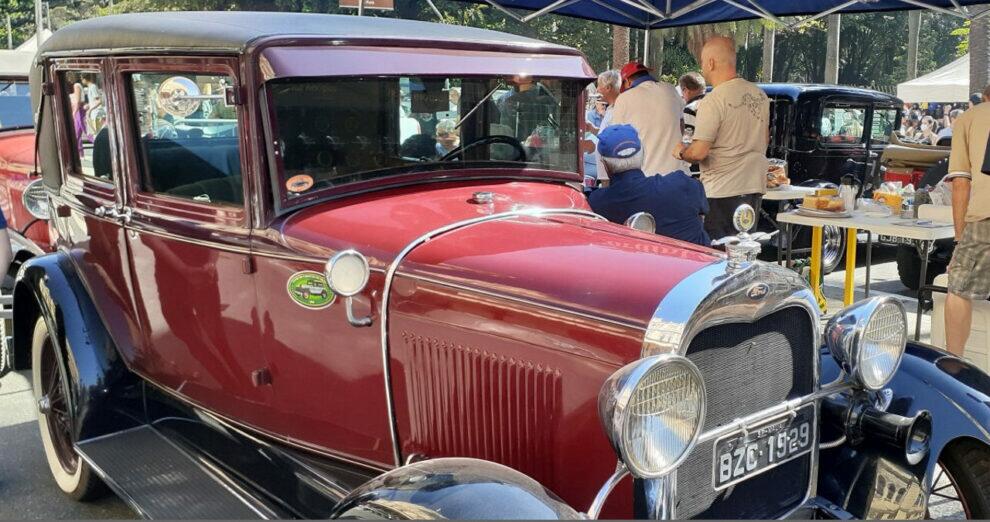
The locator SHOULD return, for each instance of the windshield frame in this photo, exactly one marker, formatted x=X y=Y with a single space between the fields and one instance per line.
x=417 y=173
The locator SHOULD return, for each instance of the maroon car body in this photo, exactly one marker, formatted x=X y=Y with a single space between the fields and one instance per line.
x=498 y=303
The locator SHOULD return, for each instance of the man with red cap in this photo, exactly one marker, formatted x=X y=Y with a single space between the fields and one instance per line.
x=654 y=109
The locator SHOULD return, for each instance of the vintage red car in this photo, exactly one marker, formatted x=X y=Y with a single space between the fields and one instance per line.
x=319 y=266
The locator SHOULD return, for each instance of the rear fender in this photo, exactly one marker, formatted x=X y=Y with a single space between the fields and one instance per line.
x=104 y=394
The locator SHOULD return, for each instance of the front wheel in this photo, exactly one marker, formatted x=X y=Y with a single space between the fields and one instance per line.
x=51 y=393
x=962 y=482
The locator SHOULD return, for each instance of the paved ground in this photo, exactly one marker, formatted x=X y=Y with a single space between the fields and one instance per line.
x=27 y=490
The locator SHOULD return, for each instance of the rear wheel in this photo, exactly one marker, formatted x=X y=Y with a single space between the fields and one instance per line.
x=51 y=391
x=961 y=487
x=833 y=248
x=909 y=267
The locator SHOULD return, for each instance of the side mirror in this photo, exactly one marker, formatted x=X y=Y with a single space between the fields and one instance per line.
x=642 y=221
x=347 y=273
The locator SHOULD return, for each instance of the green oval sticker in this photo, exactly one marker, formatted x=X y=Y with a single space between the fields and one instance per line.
x=310 y=290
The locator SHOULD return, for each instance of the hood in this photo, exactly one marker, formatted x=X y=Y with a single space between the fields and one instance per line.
x=569 y=262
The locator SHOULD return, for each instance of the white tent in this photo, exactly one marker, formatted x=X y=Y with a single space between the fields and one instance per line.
x=31 y=44
x=950 y=84
x=15 y=64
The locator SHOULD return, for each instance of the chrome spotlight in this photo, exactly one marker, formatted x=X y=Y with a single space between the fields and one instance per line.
x=868 y=340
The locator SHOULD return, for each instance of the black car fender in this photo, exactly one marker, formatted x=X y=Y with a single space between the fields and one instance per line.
x=453 y=488
x=957 y=396
x=49 y=287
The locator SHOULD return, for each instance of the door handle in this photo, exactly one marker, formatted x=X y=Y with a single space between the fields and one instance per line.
x=123 y=214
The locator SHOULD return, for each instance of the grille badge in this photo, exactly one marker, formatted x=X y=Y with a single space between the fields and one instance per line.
x=758 y=291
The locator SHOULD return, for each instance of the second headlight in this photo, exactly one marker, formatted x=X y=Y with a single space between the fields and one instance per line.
x=653 y=411
x=868 y=340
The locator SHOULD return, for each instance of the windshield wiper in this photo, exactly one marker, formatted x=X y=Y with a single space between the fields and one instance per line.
x=478 y=105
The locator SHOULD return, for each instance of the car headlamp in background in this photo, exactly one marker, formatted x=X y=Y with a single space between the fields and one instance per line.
x=653 y=411
x=868 y=340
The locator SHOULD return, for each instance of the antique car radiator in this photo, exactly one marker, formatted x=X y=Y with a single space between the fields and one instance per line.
x=747 y=368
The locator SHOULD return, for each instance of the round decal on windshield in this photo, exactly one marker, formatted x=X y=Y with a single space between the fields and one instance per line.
x=310 y=290
x=299 y=183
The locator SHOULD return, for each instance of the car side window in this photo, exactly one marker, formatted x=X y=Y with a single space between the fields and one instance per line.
x=843 y=125
x=85 y=115
x=187 y=136
x=884 y=123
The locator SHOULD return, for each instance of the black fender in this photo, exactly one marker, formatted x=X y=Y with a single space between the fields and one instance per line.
x=453 y=488
x=103 y=392
x=953 y=391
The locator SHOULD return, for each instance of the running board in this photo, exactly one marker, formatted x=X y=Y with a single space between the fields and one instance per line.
x=160 y=479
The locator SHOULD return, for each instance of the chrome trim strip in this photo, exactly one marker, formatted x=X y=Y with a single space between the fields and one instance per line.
x=18 y=242
x=523 y=300
x=596 y=505
x=390 y=276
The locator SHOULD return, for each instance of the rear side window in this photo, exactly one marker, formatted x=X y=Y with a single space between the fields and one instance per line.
x=843 y=124
x=187 y=136
x=884 y=123
x=86 y=119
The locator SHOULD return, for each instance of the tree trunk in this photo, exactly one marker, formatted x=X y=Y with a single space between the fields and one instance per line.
x=656 y=51
x=832 y=50
x=979 y=52
x=769 y=45
x=620 y=46
x=914 y=30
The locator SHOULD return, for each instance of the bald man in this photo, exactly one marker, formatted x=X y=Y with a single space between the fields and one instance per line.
x=731 y=134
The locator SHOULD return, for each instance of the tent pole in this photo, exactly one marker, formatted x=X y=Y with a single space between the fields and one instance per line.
x=603 y=5
x=935 y=8
x=559 y=4
x=751 y=11
x=38 y=27
x=646 y=47
x=914 y=29
x=832 y=49
x=822 y=14
x=504 y=11
x=768 y=14
x=435 y=10
x=960 y=8
x=692 y=7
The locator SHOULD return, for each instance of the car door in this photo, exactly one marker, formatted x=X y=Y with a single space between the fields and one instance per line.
x=189 y=234
x=86 y=218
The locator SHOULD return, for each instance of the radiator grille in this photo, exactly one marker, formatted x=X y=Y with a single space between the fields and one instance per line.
x=469 y=402
x=747 y=368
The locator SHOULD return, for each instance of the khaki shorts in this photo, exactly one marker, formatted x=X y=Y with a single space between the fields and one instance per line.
x=969 y=271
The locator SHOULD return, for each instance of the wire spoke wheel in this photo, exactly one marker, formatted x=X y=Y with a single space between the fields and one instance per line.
x=53 y=406
x=960 y=487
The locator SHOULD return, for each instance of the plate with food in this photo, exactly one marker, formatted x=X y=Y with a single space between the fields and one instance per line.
x=823 y=206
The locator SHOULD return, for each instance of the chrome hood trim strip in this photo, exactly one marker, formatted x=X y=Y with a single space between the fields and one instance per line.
x=390 y=276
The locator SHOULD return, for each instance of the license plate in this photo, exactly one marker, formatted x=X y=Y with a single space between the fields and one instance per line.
x=894 y=240
x=741 y=456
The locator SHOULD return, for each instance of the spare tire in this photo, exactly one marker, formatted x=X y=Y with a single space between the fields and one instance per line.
x=909 y=267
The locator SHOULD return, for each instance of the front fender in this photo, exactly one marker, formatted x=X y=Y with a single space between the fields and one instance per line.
x=100 y=384
x=453 y=488
x=953 y=391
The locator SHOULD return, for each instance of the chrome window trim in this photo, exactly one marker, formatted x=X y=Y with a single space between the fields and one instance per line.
x=714 y=296
x=387 y=290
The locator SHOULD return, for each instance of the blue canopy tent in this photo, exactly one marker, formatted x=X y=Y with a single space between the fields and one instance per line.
x=655 y=14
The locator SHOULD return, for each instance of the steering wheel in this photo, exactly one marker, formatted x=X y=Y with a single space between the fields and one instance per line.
x=488 y=140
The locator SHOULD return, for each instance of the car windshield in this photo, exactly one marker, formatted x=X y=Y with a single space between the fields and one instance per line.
x=332 y=132
x=15 y=105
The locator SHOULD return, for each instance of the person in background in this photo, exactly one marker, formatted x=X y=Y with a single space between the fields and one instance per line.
x=447 y=137
x=975 y=99
x=654 y=109
x=946 y=133
x=609 y=85
x=595 y=113
x=676 y=201
x=693 y=88
x=969 y=270
x=928 y=132
x=731 y=136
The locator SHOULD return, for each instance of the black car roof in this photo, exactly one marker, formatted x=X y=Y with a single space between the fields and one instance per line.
x=795 y=90
x=230 y=31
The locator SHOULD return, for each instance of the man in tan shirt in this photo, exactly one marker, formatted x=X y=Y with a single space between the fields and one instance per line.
x=731 y=134
x=969 y=271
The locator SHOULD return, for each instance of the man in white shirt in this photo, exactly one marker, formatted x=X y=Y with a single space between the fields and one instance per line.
x=654 y=110
x=730 y=138
x=609 y=84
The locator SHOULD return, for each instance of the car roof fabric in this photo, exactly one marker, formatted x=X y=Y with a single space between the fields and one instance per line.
x=231 y=31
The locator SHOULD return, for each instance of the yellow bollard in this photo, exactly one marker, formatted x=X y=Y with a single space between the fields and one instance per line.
x=849 y=289
x=816 y=268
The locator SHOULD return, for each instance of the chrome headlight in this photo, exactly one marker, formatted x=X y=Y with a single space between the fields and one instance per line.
x=868 y=340
x=653 y=411
x=35 y=199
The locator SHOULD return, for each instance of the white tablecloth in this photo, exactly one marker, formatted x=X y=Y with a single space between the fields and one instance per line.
x=887 y=226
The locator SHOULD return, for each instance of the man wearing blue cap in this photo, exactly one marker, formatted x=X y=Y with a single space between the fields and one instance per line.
x=676 y=201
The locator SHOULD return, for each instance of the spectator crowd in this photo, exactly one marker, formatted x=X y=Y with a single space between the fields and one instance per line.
x=688 y=158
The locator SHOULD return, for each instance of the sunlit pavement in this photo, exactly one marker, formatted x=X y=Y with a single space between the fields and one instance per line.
x=27 y=490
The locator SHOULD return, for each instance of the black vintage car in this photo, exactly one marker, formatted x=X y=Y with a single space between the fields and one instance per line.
x=825 y=132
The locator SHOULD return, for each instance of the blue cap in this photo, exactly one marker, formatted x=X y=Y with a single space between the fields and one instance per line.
x=619 y=141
